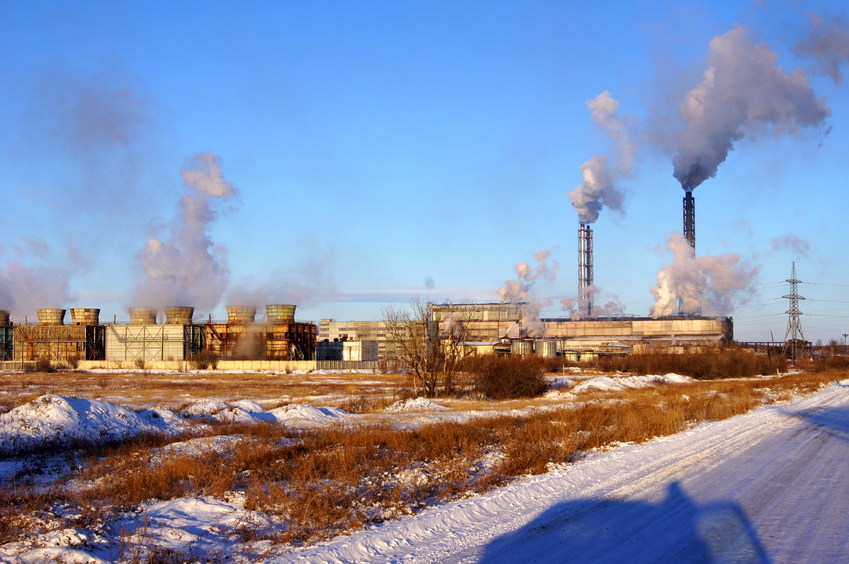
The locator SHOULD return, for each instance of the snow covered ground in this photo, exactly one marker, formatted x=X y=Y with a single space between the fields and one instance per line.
x=768 y=486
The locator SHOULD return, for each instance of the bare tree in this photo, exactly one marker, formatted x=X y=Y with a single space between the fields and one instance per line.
x=430 y=349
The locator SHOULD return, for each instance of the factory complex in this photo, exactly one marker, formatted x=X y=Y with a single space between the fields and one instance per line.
x=278 y=341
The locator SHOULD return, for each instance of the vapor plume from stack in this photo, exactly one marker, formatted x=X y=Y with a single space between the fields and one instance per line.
x=189 y=268
x=600 y=188
x=711 y=283
x=520 y=290
x=742 y=92
x=828 y=43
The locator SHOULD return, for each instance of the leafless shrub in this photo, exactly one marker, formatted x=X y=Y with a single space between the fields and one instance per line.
x=705 y=365
x=510 y=377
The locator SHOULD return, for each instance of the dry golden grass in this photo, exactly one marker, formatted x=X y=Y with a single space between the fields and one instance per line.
x=326 y=481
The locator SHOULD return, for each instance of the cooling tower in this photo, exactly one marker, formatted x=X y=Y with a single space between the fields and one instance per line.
x=240 y=314
x=85 y=316
x=50 y=316
x=179 y=315
x=142 y=316
x=4 y=318
x=280 y=313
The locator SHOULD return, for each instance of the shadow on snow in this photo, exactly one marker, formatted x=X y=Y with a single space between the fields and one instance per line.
x=674 y=530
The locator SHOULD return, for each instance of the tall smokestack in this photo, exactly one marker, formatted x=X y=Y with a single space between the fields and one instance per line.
x=585 y=269
x=690 y=217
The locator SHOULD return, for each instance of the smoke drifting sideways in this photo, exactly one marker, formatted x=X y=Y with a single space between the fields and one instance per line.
x=710 y=284
x=521 y=290
x=189 y=269
x=828 y=44
x=742 y=92
x=601 y=175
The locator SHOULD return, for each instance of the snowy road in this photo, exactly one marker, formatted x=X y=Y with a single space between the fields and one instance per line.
x=768 y=486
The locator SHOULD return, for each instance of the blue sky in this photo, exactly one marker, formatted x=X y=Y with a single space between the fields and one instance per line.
x=384 y=150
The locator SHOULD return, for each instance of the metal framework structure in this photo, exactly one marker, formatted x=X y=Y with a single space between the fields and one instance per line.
x=585 y=270
x=794 y=339
x=690 y=219
x=268 y=341
x=154 y=342
x=59 y=342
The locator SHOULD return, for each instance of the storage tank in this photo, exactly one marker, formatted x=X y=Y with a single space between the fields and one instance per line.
x=4 y=318
x=85 y=316
x=142 y=316
x=521 y=348
x=280 y=313
x=50 y=316
x=546 y=349
x=179 y=315
x=240 y=314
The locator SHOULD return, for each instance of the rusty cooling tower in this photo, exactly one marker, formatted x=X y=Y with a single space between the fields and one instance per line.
x=280 y=313
x=4 y=318
x=50 y=316
x=142 y=316
x=85 y=316
x=240 y=314
x=179 y=315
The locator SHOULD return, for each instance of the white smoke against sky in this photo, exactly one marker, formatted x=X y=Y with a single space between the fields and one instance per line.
x=742 y=92
x=828 y=44
x=710 y=284
x=189 y=269
x=601 y=175
x=521 y=290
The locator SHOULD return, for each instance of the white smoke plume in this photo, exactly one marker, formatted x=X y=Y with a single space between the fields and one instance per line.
x=25 y=288
x=303 y=284
x=189 y=269
x=711 y=284
x=742 y=92
x=599 y=188
x=828 y=44
x=798 y=246
x=572 y=306
x=520 y=290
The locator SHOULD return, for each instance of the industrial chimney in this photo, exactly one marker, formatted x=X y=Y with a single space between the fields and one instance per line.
x=585 y=270
x=690 y=217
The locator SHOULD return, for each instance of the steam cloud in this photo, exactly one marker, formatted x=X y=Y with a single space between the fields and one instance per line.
x=743 y=91
x=573 y=305
x=189 y=269
x=23 y=288
x=710 y=283
x=600 y=175
x=828 y=44
x=790 y=242
x=520 y=290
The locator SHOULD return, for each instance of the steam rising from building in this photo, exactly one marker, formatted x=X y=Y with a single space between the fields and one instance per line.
x=711 y=283
x=742 y=92
x=189 y=268
x=520 y=290
x=23 y=289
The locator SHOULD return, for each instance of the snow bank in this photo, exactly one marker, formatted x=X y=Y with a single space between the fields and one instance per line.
x=415 y=404
x=55 y=419
x=619 y=383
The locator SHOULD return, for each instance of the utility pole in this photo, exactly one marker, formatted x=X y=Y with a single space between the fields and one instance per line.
x=844 y=342
x=794 y=337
